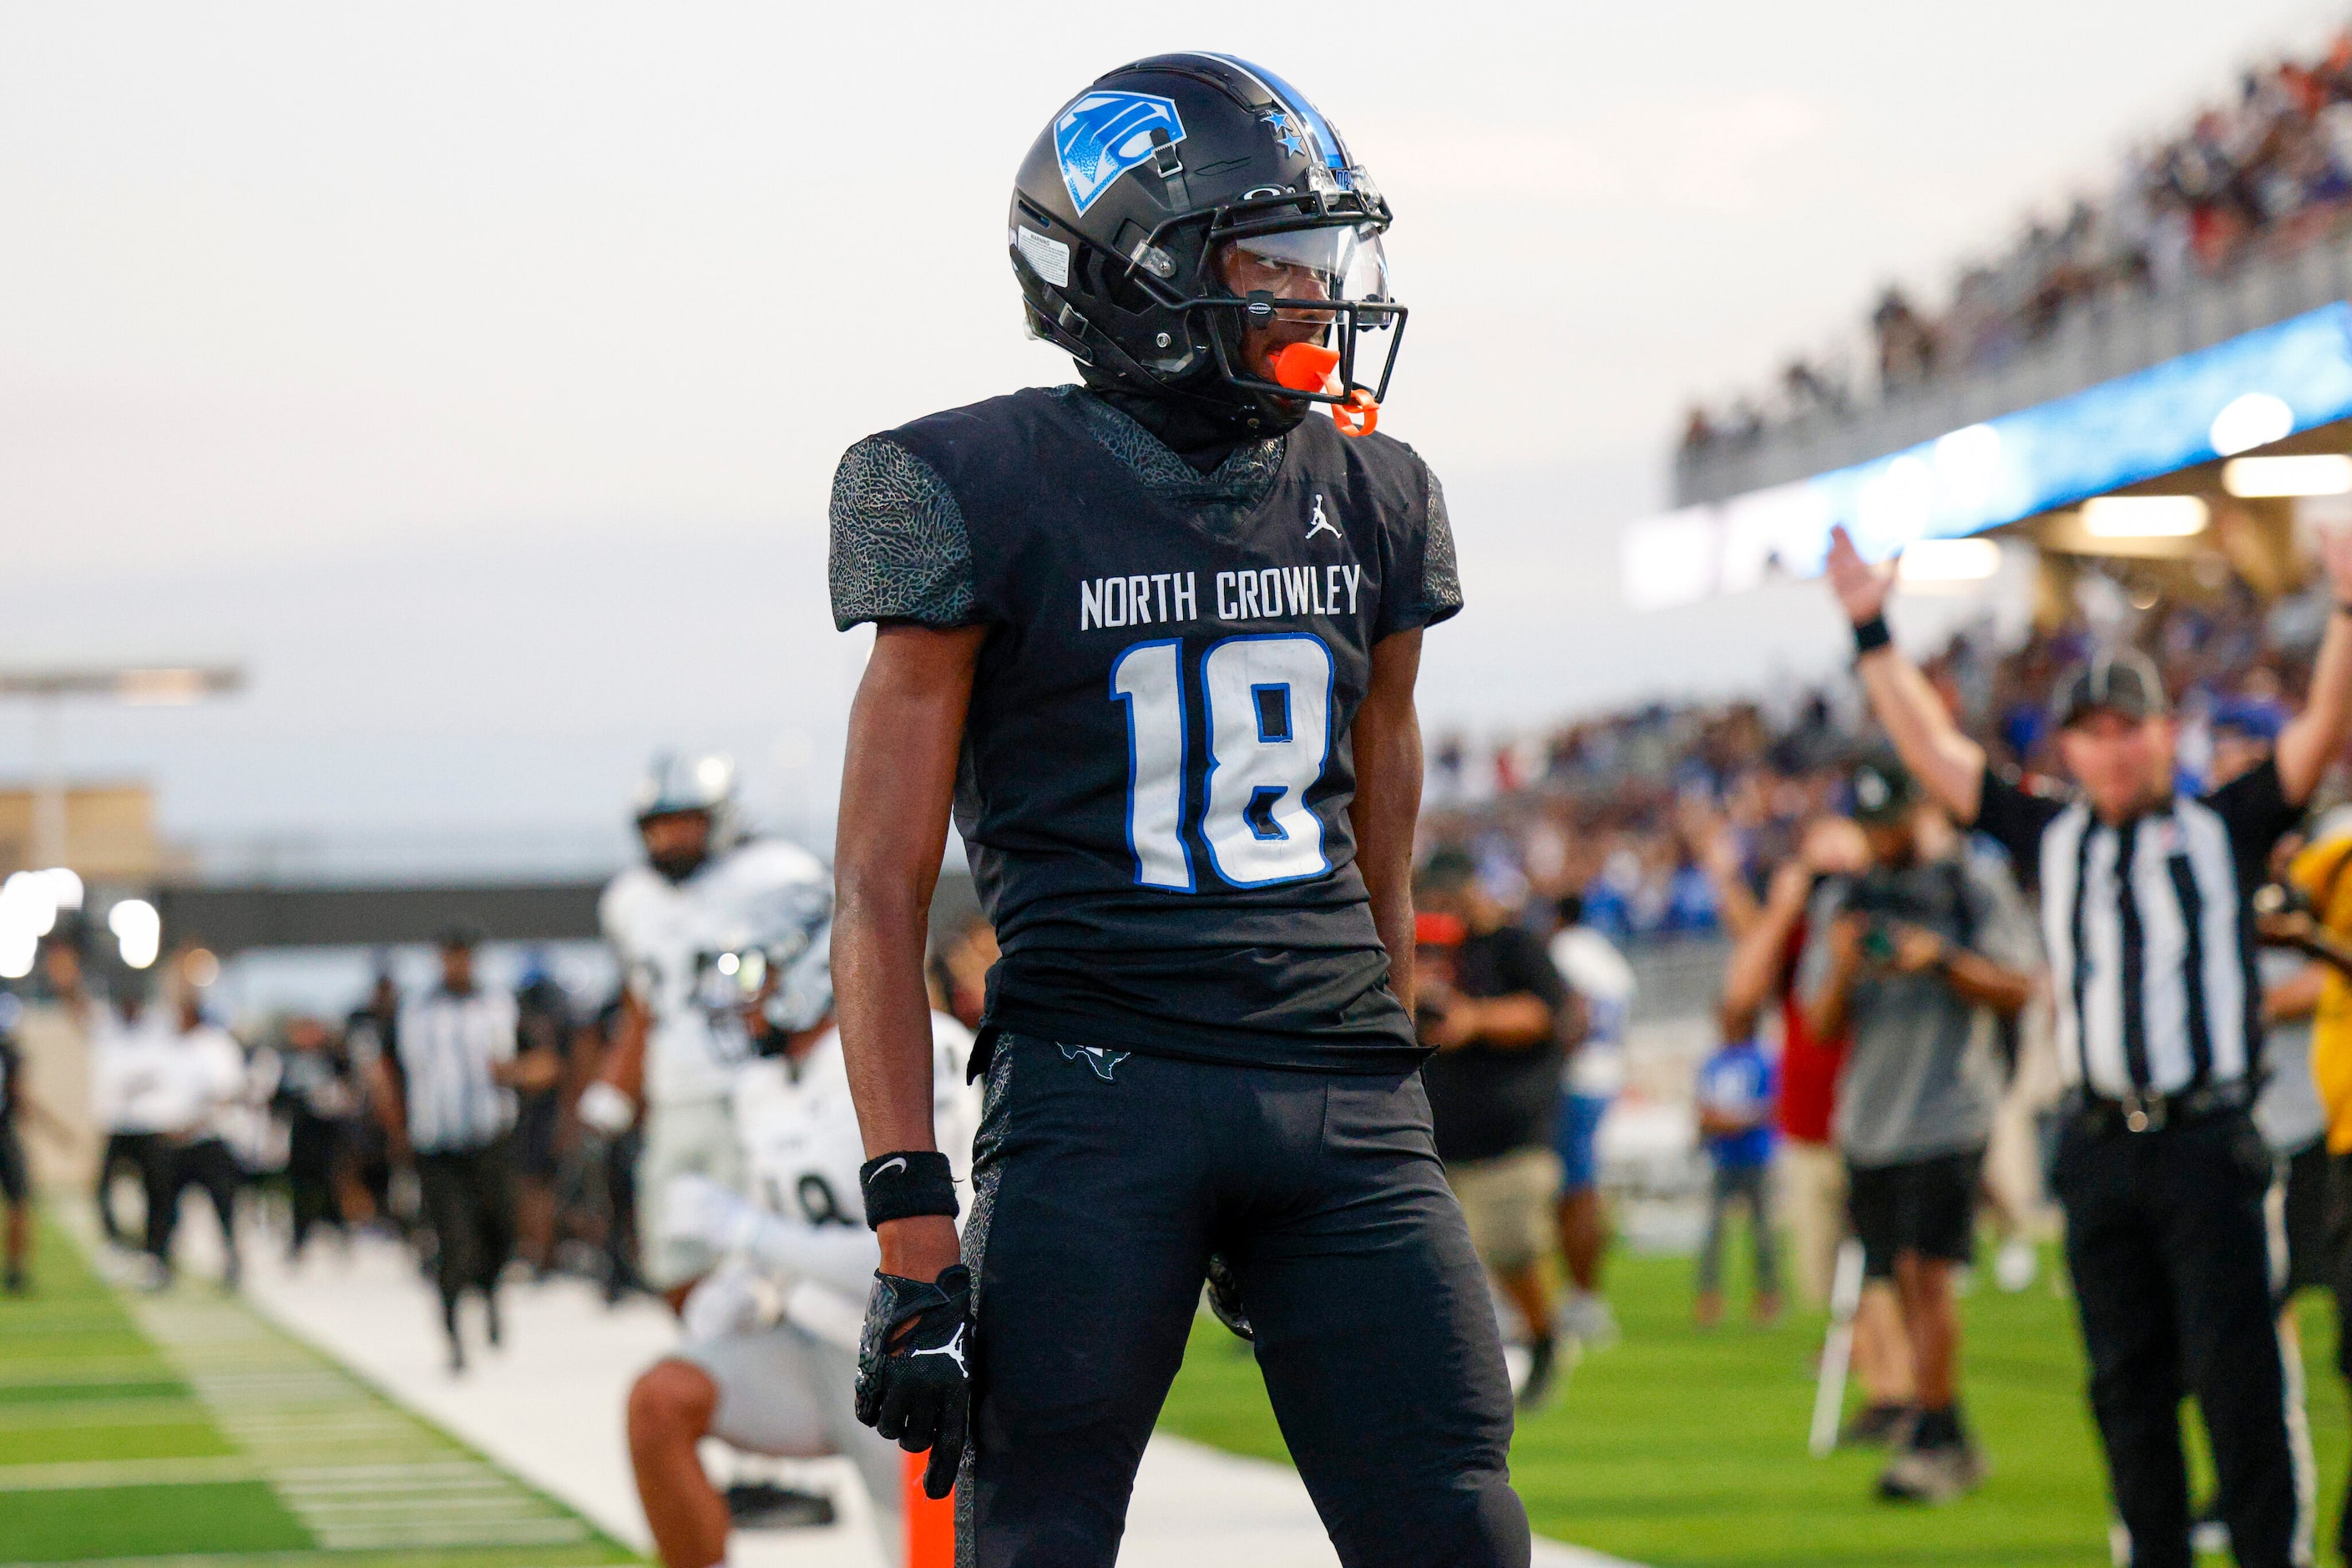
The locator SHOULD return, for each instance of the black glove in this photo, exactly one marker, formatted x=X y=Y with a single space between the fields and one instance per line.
x=912 y=1384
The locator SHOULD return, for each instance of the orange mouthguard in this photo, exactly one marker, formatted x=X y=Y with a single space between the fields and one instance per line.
x=1309 y=367
x=1306 y=368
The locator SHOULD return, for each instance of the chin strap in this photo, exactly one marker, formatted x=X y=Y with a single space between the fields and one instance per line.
x=1311 y=367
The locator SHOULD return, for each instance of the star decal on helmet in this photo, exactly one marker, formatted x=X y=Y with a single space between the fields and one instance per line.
x=1285 y=131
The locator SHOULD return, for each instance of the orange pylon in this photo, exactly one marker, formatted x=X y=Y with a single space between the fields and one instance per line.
x=930 y=1522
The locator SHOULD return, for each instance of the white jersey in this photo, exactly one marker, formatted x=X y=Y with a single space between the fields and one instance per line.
x=1593 y=968
x=803 y=1151
x=668 y=935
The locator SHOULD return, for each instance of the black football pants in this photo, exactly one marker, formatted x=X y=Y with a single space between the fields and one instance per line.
x=470 y=1200
x=1102 y=1181
x=2170 y=1259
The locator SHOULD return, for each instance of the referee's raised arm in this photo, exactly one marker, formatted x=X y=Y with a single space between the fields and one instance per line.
x=1952 y=765
x=2316 y=737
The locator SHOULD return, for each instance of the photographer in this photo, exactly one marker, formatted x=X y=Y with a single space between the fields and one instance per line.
x=1918 y=962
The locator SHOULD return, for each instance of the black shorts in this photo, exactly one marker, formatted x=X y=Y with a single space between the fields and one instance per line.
x=1102 y=1182
x=1926 y=1206
x=16 y=1181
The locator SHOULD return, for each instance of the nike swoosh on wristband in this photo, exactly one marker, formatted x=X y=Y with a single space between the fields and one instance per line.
x=897 y=1159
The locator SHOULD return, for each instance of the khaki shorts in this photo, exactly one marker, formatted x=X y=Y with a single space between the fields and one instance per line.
x=695 y=1136
x=1508 y=1202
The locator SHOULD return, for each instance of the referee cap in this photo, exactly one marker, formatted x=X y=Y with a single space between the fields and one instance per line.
x=2122 y=680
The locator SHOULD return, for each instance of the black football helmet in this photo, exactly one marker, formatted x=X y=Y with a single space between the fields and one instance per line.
x=1123 y=214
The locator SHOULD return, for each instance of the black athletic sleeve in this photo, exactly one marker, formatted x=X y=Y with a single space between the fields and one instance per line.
x=2016 y=819
x=2253 y=808
x=900 y=551
x=1426 y=565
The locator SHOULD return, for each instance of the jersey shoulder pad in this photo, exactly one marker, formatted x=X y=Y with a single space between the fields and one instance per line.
x=772 y=863
x=623 y=901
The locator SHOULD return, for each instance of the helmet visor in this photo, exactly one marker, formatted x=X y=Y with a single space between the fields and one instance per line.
x=1334 y=262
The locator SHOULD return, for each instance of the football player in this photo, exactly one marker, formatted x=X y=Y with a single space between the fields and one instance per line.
x=675 y=1054
x=1155 y=639
x=769 y=1364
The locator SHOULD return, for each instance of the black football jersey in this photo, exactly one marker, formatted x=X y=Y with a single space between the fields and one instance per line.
x=1156 y=770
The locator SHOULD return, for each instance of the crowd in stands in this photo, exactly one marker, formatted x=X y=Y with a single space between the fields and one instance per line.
x=1619 y=808
x=2267 y=171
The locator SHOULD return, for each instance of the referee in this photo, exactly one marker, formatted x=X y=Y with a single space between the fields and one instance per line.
x=460 y=1068
x=2146 y=913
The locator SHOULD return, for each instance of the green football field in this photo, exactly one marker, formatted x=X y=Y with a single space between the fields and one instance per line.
x=181 y=1429
x=1682 y=1448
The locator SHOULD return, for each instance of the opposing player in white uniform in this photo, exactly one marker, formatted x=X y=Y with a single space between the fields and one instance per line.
x=769 y=1361
x=670 y=921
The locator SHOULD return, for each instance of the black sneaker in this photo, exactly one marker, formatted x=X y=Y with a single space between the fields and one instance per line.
x=764 y=1505
x=1875 y=1426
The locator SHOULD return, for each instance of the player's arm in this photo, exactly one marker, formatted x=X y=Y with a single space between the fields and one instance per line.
x=2316 y=736
x=905 y=729
x=1386 y=742
x=1950 y=764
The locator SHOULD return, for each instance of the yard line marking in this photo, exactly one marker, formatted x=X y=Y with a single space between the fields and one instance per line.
x=295 y=1416
x=87 y=1474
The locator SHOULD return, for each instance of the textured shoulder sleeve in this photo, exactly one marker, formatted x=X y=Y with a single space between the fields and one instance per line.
x=899 y=549
x=1430 y=587
x=1441 y=581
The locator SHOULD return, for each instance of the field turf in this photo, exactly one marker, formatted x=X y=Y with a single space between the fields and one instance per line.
x=185 y=1431
x=1686 y=1448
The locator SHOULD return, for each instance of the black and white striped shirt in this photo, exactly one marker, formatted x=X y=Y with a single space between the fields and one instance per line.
x=449 y=1046
x=2150 y=928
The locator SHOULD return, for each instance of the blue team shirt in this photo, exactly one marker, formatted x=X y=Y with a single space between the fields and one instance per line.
x=1737 y=1082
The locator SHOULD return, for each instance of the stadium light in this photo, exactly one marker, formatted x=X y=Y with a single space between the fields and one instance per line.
x=133 y=685
x=1939 y=561
x=138 y=932
x=2251 y=420
x=2144 y=516
x=2321 y=474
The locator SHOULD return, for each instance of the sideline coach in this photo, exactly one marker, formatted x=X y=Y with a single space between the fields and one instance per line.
x=2145 y=911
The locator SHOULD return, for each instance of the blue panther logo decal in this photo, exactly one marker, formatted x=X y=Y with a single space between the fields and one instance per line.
x=1105 y=134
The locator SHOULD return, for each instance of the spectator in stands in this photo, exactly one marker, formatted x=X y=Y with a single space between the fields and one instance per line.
x=1492 y=1007
x=1597 y=974
x=1918 y=962
x=1734 y=1096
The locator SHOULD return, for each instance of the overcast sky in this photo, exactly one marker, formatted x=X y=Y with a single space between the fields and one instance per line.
x=477 y=372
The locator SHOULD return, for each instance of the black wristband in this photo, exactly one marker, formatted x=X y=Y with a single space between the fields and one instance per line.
x=900 y=1186
x=1871 y=636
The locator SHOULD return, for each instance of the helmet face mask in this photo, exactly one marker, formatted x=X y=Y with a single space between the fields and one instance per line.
x=1129 y=211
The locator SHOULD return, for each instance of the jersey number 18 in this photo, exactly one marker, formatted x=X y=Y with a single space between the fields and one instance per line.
x=1268 y=708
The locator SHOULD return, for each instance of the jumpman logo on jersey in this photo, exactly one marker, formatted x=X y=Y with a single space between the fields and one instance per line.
x=1319 y=523
x=1101 y=1061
